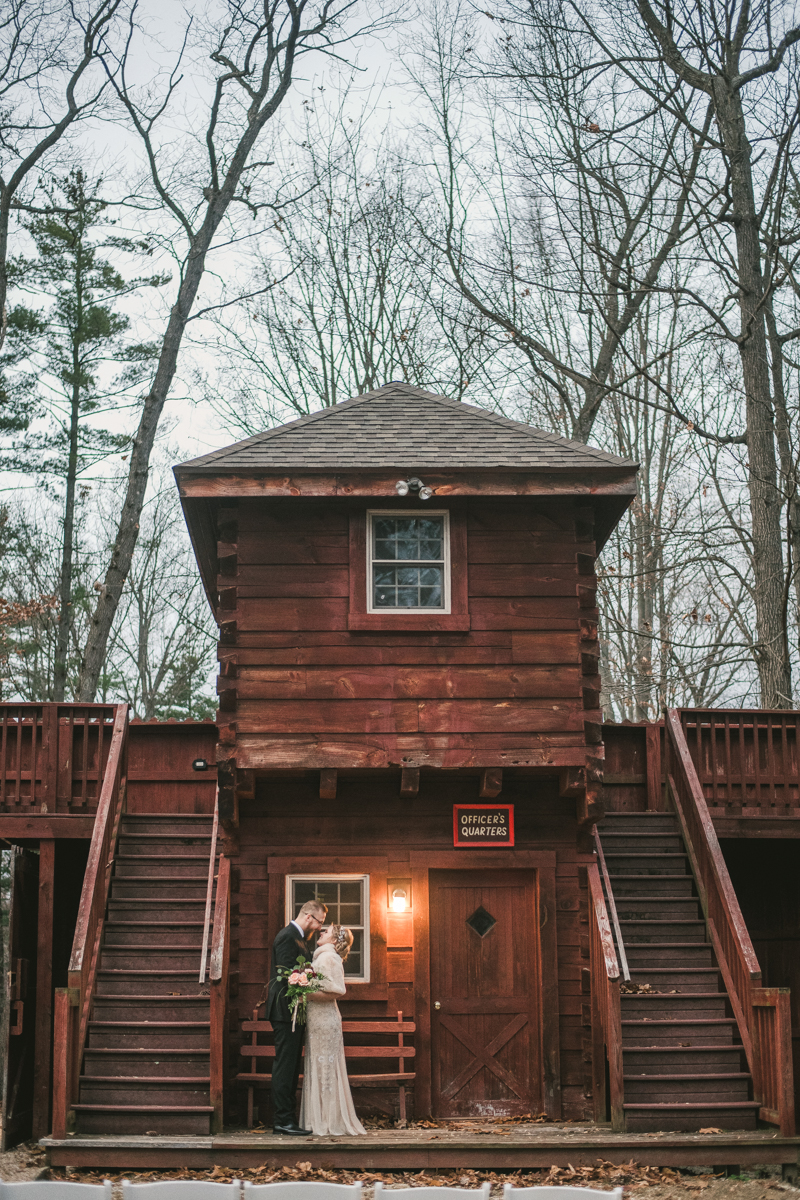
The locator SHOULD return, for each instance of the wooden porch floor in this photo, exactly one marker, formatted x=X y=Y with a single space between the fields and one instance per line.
x=471 y=1146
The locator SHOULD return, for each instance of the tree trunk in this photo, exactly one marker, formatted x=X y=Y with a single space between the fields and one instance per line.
x=765 y=500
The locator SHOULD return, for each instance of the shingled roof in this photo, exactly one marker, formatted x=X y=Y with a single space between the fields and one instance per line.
x=402 y=426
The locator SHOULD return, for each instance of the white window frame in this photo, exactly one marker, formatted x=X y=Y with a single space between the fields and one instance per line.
x=339 y=878
x=410 y=512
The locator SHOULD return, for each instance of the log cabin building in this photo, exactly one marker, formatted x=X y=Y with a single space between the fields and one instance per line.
x=545 y=918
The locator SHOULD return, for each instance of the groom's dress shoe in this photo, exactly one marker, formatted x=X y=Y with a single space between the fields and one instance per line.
x=295 y=1130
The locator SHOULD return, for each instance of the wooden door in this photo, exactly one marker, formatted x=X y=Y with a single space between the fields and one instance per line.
x=485 y=1020
x=17 y=1078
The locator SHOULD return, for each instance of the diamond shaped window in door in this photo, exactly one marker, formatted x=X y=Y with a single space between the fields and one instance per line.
x=482 y=921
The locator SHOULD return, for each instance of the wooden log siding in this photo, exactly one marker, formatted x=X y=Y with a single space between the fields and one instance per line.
x=299 y=689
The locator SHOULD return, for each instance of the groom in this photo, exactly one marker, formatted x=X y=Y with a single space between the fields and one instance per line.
x=290 y=943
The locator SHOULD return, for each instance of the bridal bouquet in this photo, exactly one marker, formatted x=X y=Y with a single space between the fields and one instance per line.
x=302 y=979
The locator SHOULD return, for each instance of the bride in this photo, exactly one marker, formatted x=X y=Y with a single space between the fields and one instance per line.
x=327 y=1105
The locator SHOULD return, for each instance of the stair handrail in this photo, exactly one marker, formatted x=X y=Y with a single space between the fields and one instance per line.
x=606 y=1008
x=218 y=974
x=601 y=858
x=761 y=1014
x=73 y=1006
x=212 y=862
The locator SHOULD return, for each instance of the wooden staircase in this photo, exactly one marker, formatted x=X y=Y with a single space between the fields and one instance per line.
x=146 y=1061
x=684 y=1066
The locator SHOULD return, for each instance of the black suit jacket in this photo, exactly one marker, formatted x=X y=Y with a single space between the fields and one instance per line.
x=286 y=949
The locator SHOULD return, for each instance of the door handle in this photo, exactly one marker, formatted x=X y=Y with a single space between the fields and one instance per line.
x=437 y=1005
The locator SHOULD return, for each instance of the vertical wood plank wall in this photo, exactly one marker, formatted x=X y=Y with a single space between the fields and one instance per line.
x=160 y=775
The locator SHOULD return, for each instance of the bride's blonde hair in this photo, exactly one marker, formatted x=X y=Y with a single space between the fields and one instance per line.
x=342 y=940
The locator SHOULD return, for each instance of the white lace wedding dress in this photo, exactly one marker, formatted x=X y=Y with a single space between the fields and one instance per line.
x=327 y=1105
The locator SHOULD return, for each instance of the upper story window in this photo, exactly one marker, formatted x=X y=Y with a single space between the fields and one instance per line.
x=408 y=568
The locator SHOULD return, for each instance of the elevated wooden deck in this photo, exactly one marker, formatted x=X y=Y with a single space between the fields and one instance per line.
x=472 y=1145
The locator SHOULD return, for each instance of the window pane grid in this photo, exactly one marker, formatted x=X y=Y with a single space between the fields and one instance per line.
x=418 y=544
x=345 y=901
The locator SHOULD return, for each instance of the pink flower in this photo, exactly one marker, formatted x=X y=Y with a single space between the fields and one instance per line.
x=294 y=977
x=303 y=977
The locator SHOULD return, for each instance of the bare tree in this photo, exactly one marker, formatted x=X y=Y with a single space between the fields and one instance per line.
x=51 y=77
x=631 y=130
x=358 y=301
x=162 y=648
x=253 y=59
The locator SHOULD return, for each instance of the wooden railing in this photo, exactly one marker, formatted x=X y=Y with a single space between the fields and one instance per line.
x=53 y=756
x=606 y=1009
x=745 y=758
x=611 y=903
x=762 y=1014
x=212 y=862
x=73 y=1003
x=218 y=973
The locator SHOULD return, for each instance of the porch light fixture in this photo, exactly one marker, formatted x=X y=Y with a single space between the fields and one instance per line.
x=404 y=486
x=399 y=900
x=200 y=764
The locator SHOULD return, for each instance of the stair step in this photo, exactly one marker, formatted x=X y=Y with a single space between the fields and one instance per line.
x=653 y=885
x=684 y=1032
x=159 y=1061
x=649 y=955
x=641 y=1118
x=175 y=824
x=164 y=848
x=163 y=1008
x=120 y=935
x=702 y=1089
x=658 y=908
x=149 y=1035
x=646 y=864
x=141 y=1119
x=150 y=959
x=154 y=866
x=136 y=984
x=177 y=888
x=689 y=1059
x=645 y=930
x=162 y=1092
x=662 y=1006
x=684 y=980
x=165 y=910
x=633 y=841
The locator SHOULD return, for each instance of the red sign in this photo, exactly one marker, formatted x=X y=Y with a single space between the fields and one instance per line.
x=483 y=825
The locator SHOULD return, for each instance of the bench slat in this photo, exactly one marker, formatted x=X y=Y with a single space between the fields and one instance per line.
x=350 y=1051
x=347 y=1026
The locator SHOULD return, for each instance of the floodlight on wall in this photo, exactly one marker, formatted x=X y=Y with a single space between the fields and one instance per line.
x=404 y=486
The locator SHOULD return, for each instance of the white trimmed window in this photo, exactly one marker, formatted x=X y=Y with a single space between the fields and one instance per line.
x=347 y=898
x=408 y=562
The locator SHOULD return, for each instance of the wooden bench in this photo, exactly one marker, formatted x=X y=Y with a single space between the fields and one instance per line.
x=399 y=1078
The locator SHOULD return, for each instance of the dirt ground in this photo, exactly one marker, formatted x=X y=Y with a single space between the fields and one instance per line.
x=28 y=1162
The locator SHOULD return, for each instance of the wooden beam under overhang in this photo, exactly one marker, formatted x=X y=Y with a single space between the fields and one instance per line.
x=19 y=828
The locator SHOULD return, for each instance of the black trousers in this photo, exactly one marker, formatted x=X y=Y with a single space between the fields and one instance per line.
x=286 y=1070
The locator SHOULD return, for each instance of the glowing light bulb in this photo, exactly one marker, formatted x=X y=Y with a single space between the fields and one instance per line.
x=398 y=900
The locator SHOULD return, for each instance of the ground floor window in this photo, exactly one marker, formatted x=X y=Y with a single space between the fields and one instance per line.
x=347 y=898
